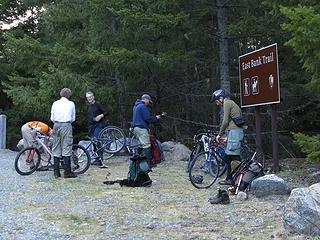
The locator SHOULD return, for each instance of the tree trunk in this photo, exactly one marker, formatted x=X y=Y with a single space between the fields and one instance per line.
x=223 y=46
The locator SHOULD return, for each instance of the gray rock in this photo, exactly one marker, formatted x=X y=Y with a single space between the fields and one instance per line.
x=168 y=146
x=175 y=151
x=302 y=211
x=269 y=185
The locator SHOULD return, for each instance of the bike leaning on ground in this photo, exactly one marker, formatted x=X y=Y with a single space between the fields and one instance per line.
x=28 y=159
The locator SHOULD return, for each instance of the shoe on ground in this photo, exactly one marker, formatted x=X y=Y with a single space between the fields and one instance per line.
x=57 y=175
x=222 y=197
x=226 y=182
x=70 y=175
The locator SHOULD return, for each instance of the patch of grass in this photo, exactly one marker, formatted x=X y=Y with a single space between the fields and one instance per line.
x=74 y=224
x=28 y=207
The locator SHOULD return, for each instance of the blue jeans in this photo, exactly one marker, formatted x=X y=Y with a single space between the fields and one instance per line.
x=94 y=131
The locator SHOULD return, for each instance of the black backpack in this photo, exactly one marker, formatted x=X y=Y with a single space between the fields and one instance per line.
x=247 y=174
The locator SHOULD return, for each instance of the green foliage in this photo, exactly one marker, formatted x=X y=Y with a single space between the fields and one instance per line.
x=304 y=27
x=309 y=145
x=120 y=49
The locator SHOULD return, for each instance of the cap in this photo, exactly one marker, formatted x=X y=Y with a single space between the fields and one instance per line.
x=146 y=96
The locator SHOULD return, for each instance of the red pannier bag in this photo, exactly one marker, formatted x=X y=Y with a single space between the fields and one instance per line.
x=155 y=151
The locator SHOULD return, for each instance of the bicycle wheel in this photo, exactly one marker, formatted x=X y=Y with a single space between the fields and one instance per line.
x=112 y=138
x=200 y=174
x=218 y=167
x=27 y=161
x=80 y=159
x=195 y=151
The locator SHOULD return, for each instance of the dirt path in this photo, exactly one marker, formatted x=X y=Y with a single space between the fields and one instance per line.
x=41 y=207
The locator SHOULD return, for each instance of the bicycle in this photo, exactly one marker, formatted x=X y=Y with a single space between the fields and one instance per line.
x=207 y=166
x=201 y=142
x=110 y=141
x=28 y=159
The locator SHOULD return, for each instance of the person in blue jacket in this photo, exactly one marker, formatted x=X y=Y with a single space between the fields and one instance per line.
x=141 y=120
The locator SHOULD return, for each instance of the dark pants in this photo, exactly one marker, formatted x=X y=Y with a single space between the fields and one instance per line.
x=228 y=160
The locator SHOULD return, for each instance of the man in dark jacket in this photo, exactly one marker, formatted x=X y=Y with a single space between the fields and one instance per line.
x=141 y=120
x=96 y=115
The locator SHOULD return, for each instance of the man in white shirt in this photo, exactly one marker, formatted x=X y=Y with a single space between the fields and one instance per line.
x=63 y=113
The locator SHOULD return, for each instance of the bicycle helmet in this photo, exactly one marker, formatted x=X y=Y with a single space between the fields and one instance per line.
x=217 y=94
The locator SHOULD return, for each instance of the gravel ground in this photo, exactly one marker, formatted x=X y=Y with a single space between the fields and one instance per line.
x=41 y=207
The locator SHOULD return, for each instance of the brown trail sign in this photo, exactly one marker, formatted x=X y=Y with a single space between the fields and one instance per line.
x=259 y=77
x=259 y=85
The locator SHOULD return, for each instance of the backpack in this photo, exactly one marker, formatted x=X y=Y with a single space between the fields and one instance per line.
x=138 y=167
x=156 y=150
x=250 y=172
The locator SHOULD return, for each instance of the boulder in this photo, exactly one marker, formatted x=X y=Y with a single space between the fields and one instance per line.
x=302 y=211
x=175 y=151
x=269 y=184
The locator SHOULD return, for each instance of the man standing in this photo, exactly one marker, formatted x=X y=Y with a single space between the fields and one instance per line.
x=63 y=113
x=141 y=120
x=234 y=133
x=96 y=115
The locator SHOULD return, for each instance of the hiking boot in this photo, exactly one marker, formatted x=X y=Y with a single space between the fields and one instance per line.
x=70 y=175
x=226 y=182
x=222 y=197
x=67 y=168
x=56 y=167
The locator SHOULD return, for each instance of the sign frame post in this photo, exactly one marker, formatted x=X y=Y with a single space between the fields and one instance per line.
x=259 y=85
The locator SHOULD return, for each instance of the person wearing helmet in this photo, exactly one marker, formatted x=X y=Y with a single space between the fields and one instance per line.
x=234 y=133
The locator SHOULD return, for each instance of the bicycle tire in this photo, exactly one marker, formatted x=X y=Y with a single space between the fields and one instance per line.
x=219 y=167
x=113 y=139
x=22 y=165
x=195 y=151
x=200 y=175
x=80 y=159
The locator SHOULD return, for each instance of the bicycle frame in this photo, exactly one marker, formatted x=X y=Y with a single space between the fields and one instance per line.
x=37 y=141
x=129 y=144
